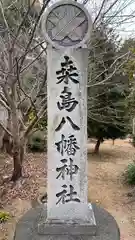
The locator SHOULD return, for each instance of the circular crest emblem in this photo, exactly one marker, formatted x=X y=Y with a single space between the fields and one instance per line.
x=66 y=24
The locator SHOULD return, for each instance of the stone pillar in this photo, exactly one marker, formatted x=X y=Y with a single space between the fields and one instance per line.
x=67 y=135
x=67 y=27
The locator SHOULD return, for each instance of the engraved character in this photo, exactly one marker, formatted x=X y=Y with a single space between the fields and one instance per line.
x=63 y=121
x=68 y=146
x=67 y=102
x=65 y=197
x=68 y=72
x=70 y=169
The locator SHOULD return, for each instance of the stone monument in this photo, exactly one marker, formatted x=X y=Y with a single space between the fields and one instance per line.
x=67 y=27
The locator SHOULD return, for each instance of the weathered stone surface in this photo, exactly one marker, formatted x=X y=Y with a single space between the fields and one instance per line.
x=67 y=144
x=107 y=228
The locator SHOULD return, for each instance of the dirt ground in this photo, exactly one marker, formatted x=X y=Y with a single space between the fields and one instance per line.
x=105 y=186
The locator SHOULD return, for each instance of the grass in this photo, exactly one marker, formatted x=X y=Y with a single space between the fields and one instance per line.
x=4 y=216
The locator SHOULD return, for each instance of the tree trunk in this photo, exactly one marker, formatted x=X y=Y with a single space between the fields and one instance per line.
x=22 y=150
x=97 y=145
x=18 y=157
x=7 y=141
x=7 y=144
x=17 y=172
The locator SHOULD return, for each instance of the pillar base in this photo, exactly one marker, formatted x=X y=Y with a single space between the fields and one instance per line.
x=77 y=219
x=27 y=228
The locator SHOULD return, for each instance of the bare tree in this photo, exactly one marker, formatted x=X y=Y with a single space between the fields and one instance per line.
x=22 y=51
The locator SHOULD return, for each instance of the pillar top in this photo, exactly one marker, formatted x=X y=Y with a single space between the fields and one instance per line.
x=66 y=24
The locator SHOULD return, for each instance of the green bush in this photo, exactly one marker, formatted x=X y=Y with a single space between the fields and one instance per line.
x=37 y=141
x=4 y=216
x=129 y=175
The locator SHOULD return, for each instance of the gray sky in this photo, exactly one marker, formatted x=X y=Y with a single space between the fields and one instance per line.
x=124 y=21
x=127 y=28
